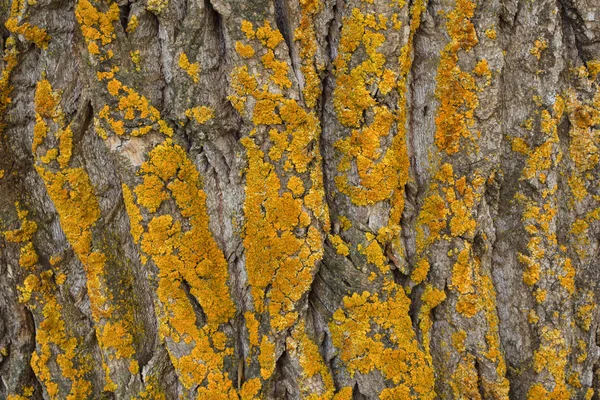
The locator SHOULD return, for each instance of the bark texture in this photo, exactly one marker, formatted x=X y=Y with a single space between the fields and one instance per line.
x=290 y=199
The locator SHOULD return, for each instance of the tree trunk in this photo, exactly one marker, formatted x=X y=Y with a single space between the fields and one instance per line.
x=289 y=199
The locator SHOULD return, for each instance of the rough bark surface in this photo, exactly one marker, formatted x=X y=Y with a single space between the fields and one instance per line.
x=323 y=199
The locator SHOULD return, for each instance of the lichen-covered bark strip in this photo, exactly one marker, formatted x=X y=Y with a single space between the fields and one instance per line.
x=448 y=221
x=375 y=51
x=169 y=221
x=284 y=206
x=58 y=353
x=73 y=195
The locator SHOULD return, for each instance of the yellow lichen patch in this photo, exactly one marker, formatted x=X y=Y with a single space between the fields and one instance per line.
x=465 y=274
x=491 y=33
x=379 y=173
x=244 y=50
x=538 y=47
x=200 y=114
x=374 y=253
x=279 y=69
x=585 y=311
x=362 y=349
x=287 y=272
x=65 y=138
x=339 y=245
x=187 y=257
x=132 y=24
x=551 y=356
x=432 y=216
x=345 y=223
x=314 y=369
x=25 y=232
x=584 y=154
x=157 y=6
x=135 y=216
x=248 y=29
x=192 y=69
x=268 y=36
x=568 y=279
x=152 y=389
x=16 y=24
x=464 y=382
x=520 y=146
x=32 y=33
x=96 y=26
x=10 y=62
x=456 y=89
x=593 y=67
x=136 y=59
x=482 y=69
x=129 y=105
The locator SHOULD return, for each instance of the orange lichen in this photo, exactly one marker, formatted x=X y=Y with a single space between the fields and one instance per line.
x=73 y=196
x=284 y=205
x=456 y=89
x=132 y=24
x=55 y=343
x=17 y=24
x=192 y=69
x=200 y=114
x=244 y=50
x=135 y=216
x=187 y=257
x=10 y=62
x=538 y=47
x=491 y=33
x=306 y=38
x=314 y=369
x=97 y=27
x=268 y=36
x=403 y=363
x=552 y=357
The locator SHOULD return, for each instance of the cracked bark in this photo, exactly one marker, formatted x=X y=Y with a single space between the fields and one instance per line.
x=299 y=199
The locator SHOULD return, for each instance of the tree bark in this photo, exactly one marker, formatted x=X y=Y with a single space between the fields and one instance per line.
x=323 y=199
